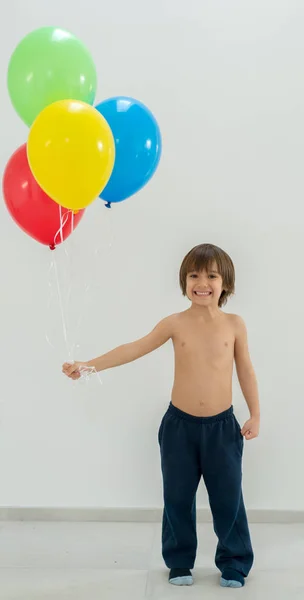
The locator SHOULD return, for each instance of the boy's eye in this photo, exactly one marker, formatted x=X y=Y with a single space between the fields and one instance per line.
x=193 y=275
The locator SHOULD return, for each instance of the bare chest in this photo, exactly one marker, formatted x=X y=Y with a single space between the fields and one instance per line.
x=207 y=344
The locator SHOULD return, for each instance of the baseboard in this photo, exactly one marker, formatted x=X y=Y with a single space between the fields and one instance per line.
x=134 y=515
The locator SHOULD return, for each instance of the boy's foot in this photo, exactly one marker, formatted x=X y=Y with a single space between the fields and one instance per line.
x=232 y=579
x=230 y=583
x=180 y=577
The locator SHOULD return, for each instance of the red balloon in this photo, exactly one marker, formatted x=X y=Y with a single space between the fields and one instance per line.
x=35 y=212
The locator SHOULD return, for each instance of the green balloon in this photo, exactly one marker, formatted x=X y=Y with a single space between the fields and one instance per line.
x=49 y=64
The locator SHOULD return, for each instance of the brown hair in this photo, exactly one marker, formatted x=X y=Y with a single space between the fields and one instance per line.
x=202 y=257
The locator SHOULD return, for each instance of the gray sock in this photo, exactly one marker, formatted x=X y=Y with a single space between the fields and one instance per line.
x=231 y=583
x=180 y=577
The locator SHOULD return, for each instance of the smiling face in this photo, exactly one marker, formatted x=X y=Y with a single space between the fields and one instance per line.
x=207 y=276
x=204 y=287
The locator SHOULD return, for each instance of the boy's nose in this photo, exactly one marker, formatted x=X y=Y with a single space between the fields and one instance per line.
x=203 y=281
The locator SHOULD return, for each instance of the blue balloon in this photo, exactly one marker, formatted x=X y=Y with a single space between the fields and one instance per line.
x=138 y=146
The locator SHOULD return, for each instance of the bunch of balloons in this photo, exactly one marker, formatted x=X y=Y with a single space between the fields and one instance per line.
x=74 y=152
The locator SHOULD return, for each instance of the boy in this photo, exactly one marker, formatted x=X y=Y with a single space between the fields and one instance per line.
x=199 y=434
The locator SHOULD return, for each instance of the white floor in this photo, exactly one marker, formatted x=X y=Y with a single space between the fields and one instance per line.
x=122 y=561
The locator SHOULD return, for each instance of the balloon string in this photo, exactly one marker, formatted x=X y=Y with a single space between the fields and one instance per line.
x=72 y=222
x=50 y=298
x=62 y=221
x=93 y=272
x=86 y=372
x=109 y=221
x=70 y=348
x=53 y=267
x=64 y=327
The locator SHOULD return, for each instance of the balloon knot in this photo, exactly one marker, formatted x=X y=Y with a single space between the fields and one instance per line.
x=52 y=246
x=108 y=205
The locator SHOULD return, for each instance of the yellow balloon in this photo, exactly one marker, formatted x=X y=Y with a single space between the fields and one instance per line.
x=71 y=152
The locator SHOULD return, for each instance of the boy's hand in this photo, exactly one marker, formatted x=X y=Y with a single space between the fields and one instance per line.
x=73 y=370
x=251 y=428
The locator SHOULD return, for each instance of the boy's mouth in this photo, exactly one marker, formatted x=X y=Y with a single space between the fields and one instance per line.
x=202 y=294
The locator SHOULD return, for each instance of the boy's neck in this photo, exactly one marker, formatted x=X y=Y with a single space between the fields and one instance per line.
x=206 y=313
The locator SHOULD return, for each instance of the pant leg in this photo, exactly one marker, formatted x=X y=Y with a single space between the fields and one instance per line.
x=222 y=449
x=180 y=462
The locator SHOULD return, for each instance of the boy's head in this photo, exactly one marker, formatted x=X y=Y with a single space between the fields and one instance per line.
x=207 y=275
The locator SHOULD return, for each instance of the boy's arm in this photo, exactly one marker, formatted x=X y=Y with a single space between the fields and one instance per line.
x=246 y=376
x=127 y=352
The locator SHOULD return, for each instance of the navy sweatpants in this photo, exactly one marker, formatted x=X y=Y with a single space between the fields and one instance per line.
x=211 y=447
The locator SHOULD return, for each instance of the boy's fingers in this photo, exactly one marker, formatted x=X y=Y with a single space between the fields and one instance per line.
x=71 y=369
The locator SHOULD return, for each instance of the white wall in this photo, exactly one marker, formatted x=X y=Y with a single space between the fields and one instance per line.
x=225 y=80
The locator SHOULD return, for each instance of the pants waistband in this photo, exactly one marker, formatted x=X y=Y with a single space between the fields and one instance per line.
x=173 y=410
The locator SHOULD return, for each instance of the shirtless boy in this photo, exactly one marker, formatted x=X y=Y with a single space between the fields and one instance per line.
x=199 y=435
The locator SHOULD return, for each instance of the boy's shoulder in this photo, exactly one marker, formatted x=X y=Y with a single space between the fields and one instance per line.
x=172 y=321
x=237 y=322
x=236 y=318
